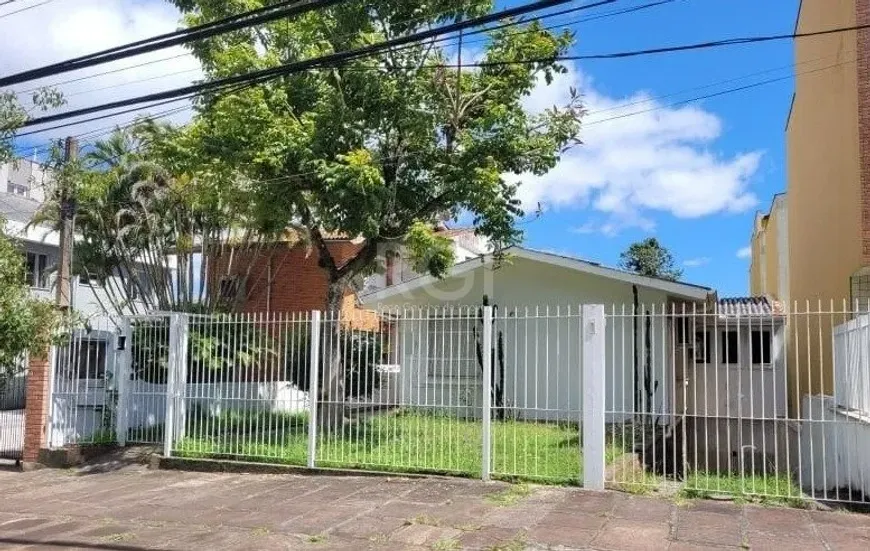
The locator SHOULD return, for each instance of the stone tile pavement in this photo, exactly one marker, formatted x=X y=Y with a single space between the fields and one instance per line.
x=136 y=509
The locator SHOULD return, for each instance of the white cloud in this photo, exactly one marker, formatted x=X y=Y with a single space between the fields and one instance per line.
x=696 y=262
x=64 y=30
x=745 y=252
x=631 y=167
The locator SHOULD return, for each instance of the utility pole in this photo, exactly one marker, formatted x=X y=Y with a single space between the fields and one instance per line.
x=67 y=226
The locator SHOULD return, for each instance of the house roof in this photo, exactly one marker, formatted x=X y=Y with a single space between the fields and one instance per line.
x=749 y=306
x=18 y=208
x=687 y=290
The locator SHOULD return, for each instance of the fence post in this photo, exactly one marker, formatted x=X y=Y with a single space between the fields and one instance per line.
x=486 y=413
x=181 y=377
x=123 y=367
x=176 y=362
x=593 y=377
x=313 y=386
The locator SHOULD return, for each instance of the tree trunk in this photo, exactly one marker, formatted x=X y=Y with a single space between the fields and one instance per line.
x=331 y=406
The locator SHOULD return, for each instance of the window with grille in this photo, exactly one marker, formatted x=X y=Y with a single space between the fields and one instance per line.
x=760 y=347
x=730 y=348
x=452 y=348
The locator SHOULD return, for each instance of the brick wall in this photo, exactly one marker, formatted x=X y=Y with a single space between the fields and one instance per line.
x=36 y=410
x=298 y=283
x=862 y=11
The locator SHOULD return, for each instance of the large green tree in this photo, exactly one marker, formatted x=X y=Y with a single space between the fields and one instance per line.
x=650 y=258
x=382 y=146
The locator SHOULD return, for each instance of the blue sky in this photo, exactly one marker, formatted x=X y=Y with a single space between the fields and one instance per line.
x=751 y=121
x=693 y=175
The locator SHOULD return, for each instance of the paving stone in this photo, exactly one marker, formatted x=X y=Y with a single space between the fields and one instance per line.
x=370 y=527
x=422 y=534
x=490 y=538
x=514 y=517
x=320 y=519
x=589 y=502
x=764 y=541
x=632 y=535
x=844 y=537
x=570 y=536
x=709 y=528
x=791 y=522
x=654 y=510
x=579 y=521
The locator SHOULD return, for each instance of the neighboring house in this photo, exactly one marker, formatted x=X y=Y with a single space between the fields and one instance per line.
x=814 y=244
x=768 y=272
x=283 y=277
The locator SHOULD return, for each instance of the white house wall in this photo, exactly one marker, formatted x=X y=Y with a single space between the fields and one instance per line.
x=542 y=380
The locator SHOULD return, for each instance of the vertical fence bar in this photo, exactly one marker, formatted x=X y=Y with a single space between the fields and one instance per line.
x=173 y=367
x=183 y=328
x=486 y=413
x=123 y=365
x=593 y=376
x=313 y=387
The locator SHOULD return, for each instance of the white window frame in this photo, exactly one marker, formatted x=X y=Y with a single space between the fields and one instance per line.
x=38 y=278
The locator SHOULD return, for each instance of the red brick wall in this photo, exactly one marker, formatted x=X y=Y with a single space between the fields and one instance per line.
x=298 y=283
x=36 y=409
x=862 y=12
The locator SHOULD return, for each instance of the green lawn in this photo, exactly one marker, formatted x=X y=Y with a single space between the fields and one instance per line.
x=762 y=488
x=404 y=442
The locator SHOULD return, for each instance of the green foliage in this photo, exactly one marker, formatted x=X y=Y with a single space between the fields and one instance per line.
x=649 y=258
x=26 y=324
x=383 y=146
x=14 y=113
x=361 y=352
x=428 y=251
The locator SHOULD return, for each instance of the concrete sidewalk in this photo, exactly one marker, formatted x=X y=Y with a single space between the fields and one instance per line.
x=141 y=509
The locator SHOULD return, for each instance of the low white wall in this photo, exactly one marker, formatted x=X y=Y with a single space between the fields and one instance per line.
x=835 y=447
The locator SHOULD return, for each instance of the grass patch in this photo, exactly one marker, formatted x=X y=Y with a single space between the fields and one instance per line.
x=510 y=496
x=449 y=544
x=404 y=441
x=748 y=488
x=316 y=538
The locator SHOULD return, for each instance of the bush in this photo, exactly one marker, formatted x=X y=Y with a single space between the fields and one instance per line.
x=221 y=350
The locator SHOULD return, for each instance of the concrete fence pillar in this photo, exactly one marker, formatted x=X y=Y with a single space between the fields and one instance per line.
x=36 y=409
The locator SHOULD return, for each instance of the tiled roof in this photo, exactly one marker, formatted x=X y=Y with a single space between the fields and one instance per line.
x=749 y=306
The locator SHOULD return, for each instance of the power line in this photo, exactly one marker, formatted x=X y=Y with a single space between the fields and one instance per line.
x=331 y=60
x=284 y=9
x=103 y=73
x=7 y=14
x=157 y=77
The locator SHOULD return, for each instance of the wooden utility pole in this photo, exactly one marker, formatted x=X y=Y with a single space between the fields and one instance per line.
x=67 y=227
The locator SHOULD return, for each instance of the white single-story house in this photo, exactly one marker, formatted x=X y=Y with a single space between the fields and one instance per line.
x=685 y=355
x=538 y=296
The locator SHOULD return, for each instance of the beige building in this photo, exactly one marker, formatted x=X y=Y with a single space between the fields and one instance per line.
x=814 y=243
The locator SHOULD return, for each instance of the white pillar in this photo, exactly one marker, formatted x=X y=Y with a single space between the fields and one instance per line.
x=176 y=378
x=313 y=386
x=123 y=367
x=486 y=413
x=593 y=376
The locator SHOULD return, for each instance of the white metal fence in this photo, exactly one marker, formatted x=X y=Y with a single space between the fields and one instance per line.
x=734 y=398
x=13 y=391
